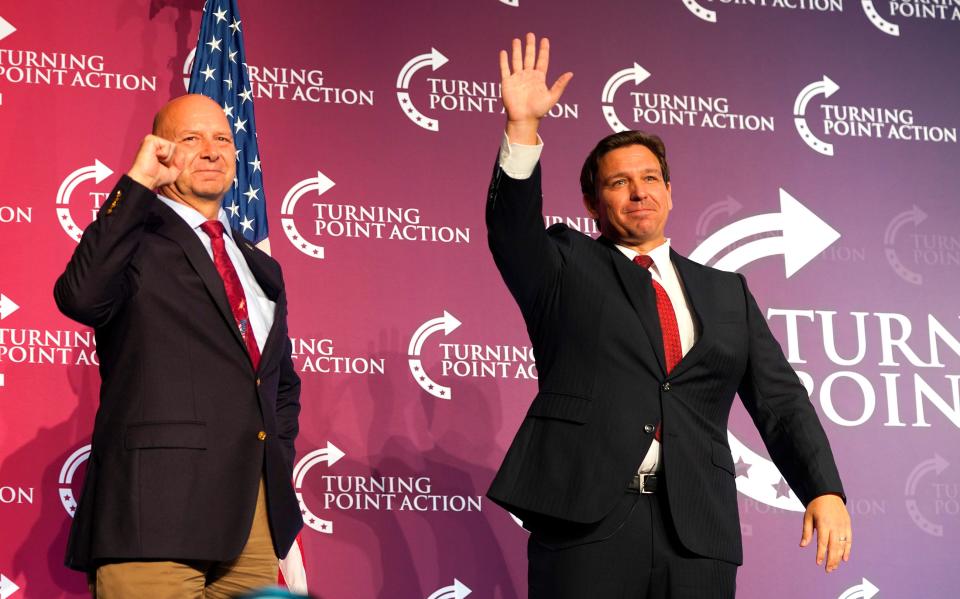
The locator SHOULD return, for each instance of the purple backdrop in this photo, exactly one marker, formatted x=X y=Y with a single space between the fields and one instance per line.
x=378 y=125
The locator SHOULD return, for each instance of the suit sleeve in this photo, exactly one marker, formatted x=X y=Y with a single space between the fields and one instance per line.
x=99 y=278
x=781 y=409
x=527 y=258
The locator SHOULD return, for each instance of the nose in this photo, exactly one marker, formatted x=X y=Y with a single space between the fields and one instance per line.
x=208 y=151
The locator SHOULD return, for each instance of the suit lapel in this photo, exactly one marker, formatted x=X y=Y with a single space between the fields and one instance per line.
x=698 y=295
x=637 y=285
x=173 y=227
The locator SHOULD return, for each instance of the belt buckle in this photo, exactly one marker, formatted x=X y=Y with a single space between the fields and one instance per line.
x=643 y=478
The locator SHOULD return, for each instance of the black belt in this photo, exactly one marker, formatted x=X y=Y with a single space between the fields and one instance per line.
x=643 y=483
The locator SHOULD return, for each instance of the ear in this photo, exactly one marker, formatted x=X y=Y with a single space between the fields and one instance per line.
x=591 y=206
x=669 y=197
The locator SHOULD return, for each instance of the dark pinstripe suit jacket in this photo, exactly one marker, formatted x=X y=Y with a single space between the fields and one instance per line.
x=592 y=319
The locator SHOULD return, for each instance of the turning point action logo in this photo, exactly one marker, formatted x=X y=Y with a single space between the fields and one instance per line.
x=652 y=108
x=97 y=171
x=861 y=121
x=464 y=360
x=356 y=221
x=456 y=95
x=937 y=10
x=66 y=478
x=945 y=495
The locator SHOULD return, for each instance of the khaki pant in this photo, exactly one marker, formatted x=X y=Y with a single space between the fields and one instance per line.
x=255 y=567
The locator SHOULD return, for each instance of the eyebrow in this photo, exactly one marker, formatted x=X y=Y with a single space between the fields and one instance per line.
x=198 y=132
x=645 y=171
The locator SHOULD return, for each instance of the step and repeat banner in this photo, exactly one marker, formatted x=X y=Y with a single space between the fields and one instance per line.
x=813 y=146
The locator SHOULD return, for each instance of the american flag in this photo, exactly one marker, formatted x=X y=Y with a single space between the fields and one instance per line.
x=220 y=72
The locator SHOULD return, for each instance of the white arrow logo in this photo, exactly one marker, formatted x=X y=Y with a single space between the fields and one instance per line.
x=935 y=464
x=6 y=28
x=7 y=306
x=727 y=207
x=330 y=454
x=804 y=236
x=7 y=586
x=916 y=216
x=446 y=323
x=321 y=183
x=638 y=74
x=825 y=86
x=864 y=590
x=434 y=59
x=457 y=590
x=511 y=2
x=66 y=478
x=97 y=171
x=878 y=21
x=704 y=13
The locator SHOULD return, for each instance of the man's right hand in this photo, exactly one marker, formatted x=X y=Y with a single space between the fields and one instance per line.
x=158 y=163
x=524 y=91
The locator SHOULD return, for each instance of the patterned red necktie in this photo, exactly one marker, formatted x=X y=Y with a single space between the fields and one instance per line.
x=672 y=350
x=231 y=284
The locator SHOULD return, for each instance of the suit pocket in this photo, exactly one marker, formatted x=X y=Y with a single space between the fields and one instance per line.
x=722 y=457
x=184 y=434
x=561 y=406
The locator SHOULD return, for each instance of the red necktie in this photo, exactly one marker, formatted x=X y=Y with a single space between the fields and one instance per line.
x=231 y=284
x=672 y=351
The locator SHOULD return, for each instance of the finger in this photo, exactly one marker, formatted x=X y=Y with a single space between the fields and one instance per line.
x=835 y=553
x=504 y=66
x=807 y=533
x=165 y=151
x=822 y=544
x=515 y=58
x=543 y=58
x=529 y=52
x=847 y=547
x=559 y=85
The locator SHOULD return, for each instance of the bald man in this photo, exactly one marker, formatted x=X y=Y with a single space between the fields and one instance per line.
x=188 y=488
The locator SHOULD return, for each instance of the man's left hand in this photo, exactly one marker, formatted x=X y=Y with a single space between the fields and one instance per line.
x=829 y=517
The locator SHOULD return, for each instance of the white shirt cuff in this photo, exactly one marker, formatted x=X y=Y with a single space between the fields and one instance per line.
x=519 y=160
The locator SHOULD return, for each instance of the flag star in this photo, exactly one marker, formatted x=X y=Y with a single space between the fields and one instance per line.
x=214 y=44
x=255 y=164
x=227 y=110
x=221 y=15
x=239 y=125
x=233 y=57
x=235 y=26
x=208 y=73
x=246 y=95
x=236 y=183
x=229 y=82
x=234 y=210
x=247 y=223
x=238 y=153
x=251 y=193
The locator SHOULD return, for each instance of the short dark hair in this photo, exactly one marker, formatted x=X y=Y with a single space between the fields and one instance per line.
x=588 y=174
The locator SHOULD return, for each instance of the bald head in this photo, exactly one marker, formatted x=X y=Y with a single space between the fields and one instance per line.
x=204 y=141
x=181 y=107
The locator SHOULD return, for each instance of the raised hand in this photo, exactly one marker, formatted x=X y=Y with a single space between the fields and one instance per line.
x=158 y=163
x=523 y=88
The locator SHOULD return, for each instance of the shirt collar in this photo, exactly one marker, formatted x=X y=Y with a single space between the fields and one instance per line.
x=193 y=218
x=660 y=255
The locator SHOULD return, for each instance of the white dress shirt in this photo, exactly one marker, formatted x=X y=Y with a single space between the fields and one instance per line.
x=519 y=161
